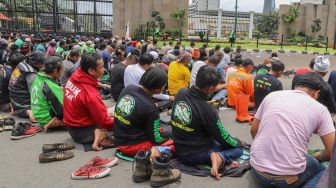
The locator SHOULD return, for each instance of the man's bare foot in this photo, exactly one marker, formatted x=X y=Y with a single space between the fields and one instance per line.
x=55 y=122
x=31 y=116
x=154 y=153
x=107 y=143
x=216 y=162
x=99 y=136
x=234 y=164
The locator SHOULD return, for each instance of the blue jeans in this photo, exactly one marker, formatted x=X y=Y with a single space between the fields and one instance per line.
x=313 y=167
x=314 y=181
x=220 y=95
x=229 y=155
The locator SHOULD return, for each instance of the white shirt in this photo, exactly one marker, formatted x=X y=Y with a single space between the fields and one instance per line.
x=132 y=76
x=194 y=71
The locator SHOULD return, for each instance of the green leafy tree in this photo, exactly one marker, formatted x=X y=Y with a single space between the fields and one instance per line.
x=180 y=16
x=290 y=19
x=267 y=24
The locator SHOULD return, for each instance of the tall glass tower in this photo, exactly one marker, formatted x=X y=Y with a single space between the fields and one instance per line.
x=269 y=6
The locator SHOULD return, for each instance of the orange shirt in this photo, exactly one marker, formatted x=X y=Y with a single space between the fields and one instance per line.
x=239 y=82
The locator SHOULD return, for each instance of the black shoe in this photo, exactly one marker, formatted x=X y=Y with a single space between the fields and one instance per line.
x=22 y=131
x=56 y=147
x=8 y=124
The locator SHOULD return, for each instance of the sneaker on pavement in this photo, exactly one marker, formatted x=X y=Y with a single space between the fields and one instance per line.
x=21 y=131
x=103 y=162
x=34 y=128
x=90 y=172
x=55 y=156
x=8 y=124
x=57 y=147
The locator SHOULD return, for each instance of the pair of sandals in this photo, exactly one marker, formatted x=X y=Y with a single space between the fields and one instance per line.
x=7 y=124
x=56 y=152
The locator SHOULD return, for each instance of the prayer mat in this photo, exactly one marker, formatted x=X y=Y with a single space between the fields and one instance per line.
x=88 y=147
x=124 y=157
x=204 y=170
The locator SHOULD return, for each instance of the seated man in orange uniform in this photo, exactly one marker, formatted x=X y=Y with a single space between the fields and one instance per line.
x=240 y=83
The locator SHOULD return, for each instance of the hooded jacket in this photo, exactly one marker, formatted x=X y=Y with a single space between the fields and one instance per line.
x=46 y=99
x=83 y=105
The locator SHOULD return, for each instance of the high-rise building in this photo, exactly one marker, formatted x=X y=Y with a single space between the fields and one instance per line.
x=269 y=6
x=207 y=4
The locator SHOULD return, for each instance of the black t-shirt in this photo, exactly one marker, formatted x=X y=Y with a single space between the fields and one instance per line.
x=264 y=85
x=196 y=125
x=136 y=118
x=117 y=80
x=5 y=74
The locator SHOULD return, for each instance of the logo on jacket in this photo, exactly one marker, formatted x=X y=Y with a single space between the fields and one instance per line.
x=125 y=106
x=182 y=113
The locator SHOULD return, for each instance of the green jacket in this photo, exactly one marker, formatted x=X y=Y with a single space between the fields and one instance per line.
x=46 y=99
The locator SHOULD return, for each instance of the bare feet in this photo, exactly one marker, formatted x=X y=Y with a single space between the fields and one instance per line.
x=216 y=162
x=107 y=143
x=31 y=116
x=234 y=164
x=54 y=122
x=99 y=136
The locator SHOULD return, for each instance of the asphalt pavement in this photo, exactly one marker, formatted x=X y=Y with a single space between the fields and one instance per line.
x=19 y=166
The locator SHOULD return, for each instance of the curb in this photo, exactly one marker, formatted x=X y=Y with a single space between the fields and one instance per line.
x=288 y=51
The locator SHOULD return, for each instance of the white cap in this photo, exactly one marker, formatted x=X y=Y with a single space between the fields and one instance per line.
x=322 y=64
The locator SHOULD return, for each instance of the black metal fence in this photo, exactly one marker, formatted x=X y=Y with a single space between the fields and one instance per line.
x=61 y=16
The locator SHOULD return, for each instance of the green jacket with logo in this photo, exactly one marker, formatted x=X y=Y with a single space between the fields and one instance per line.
x=46 y=99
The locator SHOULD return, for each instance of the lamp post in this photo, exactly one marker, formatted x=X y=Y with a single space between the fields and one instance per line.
x=234 y=34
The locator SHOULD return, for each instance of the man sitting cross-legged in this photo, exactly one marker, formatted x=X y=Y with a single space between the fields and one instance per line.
x=137 y=120
x=46 y=95
x=199 y=136
x=283 y=125
x=84 y=110
x=137 y=130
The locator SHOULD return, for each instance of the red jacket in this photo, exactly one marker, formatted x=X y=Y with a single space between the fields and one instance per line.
x=83 y=105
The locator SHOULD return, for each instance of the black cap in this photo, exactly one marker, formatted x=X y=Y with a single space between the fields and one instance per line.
x=154 y=78
x=36 y=57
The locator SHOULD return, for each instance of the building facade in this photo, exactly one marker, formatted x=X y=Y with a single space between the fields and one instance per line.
x=309 y=12
x=269 y=6
x=133 y=13
x=204 y=5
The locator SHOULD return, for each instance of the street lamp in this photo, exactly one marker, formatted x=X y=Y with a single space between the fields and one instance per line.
x=234 y=34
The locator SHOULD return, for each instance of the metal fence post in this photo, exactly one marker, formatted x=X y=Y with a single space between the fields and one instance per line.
x=282 y=40
x=258 y=40
x=306 y=43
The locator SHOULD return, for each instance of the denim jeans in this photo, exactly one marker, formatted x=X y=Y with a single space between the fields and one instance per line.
x=220 y=95
x=313 y=167
x=229 y=155
x=314 y=181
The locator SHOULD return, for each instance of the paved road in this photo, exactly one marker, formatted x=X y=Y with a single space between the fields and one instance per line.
x=19 y=166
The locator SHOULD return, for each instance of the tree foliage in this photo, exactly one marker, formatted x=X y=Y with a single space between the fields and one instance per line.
x=180 y=16
x=316 y=26
x=290 y=19
x=267 y=24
